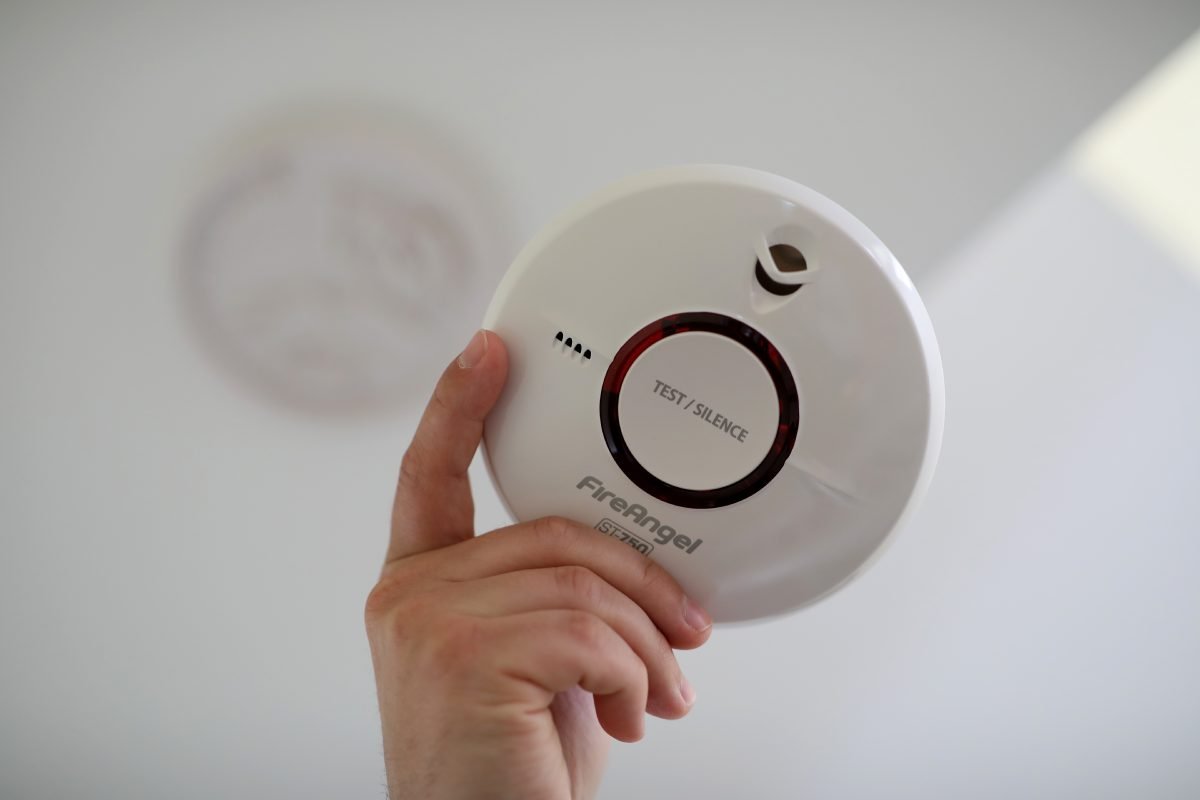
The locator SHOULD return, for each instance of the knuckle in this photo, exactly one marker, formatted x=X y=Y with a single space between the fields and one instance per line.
x=583 y=629
x=657 y=652
x=655 y=577
x=555 y=526
x=442 y=398
x=550 y=531
x=395 y=597
x=642 y=676
x=667 y=658
x=578 y=581
x=410 y=466
x=381 y=598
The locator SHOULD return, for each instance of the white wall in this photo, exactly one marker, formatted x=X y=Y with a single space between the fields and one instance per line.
x=182 y=566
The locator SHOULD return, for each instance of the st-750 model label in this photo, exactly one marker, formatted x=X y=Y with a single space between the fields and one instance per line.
x=614 y=530
x=637 y=515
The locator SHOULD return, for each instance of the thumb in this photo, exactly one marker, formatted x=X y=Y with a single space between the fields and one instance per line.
x=433 y=506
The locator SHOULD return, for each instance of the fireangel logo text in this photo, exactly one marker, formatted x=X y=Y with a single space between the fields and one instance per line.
x=663 y=534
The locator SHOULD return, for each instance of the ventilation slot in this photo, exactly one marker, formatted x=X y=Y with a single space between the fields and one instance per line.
x=569 y=346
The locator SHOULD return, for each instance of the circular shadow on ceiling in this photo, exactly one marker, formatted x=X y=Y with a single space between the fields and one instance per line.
x=339 y=261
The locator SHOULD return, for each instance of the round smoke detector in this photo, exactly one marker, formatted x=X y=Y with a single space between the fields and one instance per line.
x=322 y=264
x=725 y=371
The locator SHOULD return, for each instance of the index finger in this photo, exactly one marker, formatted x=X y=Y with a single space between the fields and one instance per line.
x=433 y=506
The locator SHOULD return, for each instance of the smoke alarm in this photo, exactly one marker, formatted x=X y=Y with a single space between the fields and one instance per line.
x=727 y=372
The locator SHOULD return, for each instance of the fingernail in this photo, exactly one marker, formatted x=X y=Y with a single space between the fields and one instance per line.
x=475 y=350
x=686 y=691
x=695 y=616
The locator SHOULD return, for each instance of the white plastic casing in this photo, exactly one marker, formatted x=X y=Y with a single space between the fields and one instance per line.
x=762 y=447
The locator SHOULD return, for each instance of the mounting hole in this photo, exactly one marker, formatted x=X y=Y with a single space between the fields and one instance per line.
x=771 y=285
x=788 y=258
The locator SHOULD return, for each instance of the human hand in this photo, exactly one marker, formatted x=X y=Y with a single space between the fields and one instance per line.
x=502 y=661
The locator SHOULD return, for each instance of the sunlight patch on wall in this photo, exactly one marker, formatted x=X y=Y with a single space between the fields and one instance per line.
x=1144 y=155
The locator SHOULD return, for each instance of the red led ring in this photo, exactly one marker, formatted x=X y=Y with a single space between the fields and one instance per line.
x=763 y=350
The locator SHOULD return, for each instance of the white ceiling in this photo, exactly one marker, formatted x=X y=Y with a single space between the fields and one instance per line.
x=182 y=568
x=919 y=116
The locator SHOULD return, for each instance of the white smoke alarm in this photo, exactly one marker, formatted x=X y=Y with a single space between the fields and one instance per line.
x=726 y=371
